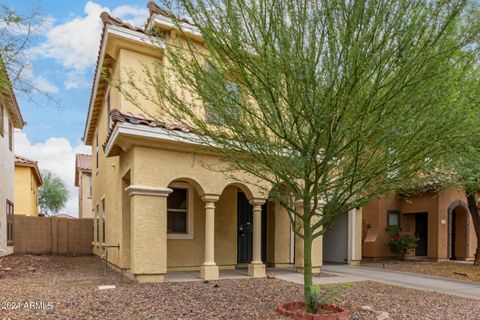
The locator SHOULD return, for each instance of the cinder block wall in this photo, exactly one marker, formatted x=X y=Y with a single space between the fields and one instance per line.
x=52 y=235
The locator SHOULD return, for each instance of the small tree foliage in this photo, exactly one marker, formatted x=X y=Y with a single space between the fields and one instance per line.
x=53 y=194
x=334 y=103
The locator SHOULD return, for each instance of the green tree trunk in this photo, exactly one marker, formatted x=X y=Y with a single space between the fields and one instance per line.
x=472 y=206
x=307 y=267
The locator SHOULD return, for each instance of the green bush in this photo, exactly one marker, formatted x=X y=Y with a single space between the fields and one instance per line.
x=401 y=242
x=327 y=295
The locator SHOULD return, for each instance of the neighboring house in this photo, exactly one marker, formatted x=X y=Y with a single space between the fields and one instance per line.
x=83 y=180
x=440 y=219
x=10 y=118
x=154 y=199
x=27 y=182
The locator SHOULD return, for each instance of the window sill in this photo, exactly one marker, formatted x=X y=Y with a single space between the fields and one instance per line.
x=176 y=236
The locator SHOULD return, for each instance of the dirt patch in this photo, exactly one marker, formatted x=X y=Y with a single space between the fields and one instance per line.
x=68 y=288
x=17 y=265
x=451 y=270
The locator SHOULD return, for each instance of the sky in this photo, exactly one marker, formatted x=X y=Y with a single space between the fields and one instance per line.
x=63 y=57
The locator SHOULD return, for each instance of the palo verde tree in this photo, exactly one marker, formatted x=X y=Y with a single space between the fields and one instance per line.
x=53 y=194
x=337 y=102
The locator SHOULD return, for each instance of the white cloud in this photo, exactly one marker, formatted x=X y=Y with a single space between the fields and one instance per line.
x=44 y=85
x=58 y=156
x=75 y=43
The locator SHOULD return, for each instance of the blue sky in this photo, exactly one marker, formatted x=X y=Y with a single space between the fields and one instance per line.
x=63 y=59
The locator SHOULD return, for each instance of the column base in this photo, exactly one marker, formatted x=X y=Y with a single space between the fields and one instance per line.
x=149 y=278
x=209 y=272
x=314 y=269
x=355 y=262
x=257 y=270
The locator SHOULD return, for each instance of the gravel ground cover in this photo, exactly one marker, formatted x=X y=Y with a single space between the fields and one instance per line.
x=67 y=288
x=452 y=270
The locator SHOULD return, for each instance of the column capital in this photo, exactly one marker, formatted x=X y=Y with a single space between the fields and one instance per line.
x=257 y=202
x=210 y=197
x=148 y=191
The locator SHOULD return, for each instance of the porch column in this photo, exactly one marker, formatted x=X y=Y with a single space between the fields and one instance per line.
x=209 y=269
x=317 y=245
x=355 y=236
x=148 y=232
x=256 y=268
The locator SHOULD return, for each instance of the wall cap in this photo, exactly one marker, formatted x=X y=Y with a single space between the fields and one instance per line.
x=148 y=191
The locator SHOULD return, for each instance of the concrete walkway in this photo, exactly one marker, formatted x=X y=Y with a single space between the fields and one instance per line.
x=408 y=280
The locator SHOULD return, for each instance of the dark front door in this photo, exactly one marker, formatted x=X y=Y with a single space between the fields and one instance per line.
x=453 y=235
x=421 y=230
x=245 y=229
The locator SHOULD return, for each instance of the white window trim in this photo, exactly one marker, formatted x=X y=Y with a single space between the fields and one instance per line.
x=190 y=214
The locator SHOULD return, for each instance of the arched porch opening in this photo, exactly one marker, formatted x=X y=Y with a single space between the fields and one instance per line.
x=458 y=231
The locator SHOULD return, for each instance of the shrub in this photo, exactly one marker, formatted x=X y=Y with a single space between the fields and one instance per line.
x=401 y=242
x=327 y=295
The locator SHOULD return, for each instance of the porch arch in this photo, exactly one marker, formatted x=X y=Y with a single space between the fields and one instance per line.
x=452 y=233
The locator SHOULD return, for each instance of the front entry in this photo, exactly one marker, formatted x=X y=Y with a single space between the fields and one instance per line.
x=245 y=230
x=421 y=230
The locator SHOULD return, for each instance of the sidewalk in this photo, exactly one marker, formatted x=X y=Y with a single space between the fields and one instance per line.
x=407 y=280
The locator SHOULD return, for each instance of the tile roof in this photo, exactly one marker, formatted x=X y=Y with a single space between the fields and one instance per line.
x=118 y=116
x=18 y=121
x=83 y=163
x=24 y=162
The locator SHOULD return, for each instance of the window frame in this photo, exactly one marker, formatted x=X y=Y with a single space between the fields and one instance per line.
x=2 y=120
x=10 y=135
x=390 y=212
x=97 y=223
x=190 y=212
x=104 y=216
x=107 y=102
x=10 y=211
x=96 y=150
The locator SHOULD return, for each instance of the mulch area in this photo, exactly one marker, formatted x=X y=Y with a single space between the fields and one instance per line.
x=451 y=270
x=67 y=287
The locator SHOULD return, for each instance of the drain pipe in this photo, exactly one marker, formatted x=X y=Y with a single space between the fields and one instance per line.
x=105 y=255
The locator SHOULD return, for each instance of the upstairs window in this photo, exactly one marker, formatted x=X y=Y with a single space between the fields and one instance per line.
x=2 y=120
x=230 y=99
x=10 y=134
x=107 y=102
x=96 y=149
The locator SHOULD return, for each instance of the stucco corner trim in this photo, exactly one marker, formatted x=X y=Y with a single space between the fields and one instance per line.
x=148 y=191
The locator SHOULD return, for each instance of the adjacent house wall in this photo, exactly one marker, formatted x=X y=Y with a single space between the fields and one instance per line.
x=84 y=196
x=7 y=159
x=26 y=191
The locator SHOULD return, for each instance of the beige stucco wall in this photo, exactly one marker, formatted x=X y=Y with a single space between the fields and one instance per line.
x=84 y=197
x=7 y=159
x=26 y=191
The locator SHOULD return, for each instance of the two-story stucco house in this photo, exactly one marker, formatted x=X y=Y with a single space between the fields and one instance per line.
x=155 y=202
x=10 y=118
x=27 y=181
x=83 y=180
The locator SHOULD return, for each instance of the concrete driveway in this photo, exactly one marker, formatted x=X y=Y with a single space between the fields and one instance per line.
x=407 y=279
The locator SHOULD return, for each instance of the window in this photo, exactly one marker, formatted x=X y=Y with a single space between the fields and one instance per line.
x=393 y=218
x=2 y=120
x=180 y=212
x=90 y=186
x=231 y=99
x=10 y=212
x=103 y=221
x=96 y=149
x=107 y=100
x=10 y=134
x=97 y=217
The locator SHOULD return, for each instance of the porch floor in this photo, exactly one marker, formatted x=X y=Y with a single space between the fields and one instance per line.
x=238 y=273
